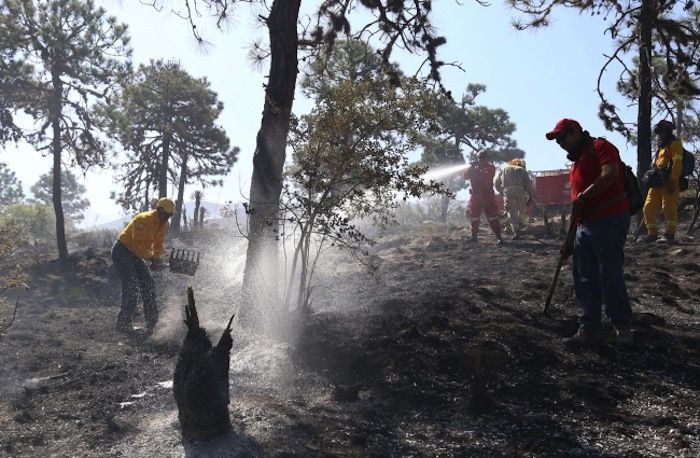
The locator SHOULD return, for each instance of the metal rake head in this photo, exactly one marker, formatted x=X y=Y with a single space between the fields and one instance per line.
x=184 y=261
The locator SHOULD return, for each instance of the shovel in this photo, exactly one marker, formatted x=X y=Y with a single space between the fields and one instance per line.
x=569 y=239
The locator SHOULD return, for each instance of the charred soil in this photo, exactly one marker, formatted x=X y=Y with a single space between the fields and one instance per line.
x=440 y=351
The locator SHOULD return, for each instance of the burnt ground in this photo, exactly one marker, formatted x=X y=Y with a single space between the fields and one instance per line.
x=441 y=352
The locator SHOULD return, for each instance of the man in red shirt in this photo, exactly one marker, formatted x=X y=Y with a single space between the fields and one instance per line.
x=599 y=207
x=483 y=198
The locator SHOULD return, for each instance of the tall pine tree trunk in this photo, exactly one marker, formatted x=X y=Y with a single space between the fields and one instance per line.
x=163 y=172
x=197 y=202
x=260 y=276
x=147 y=200
x=646 y=21
x=175 y=224
x=55 y=113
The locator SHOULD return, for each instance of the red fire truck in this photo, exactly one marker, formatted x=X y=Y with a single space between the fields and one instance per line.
x=552 y=187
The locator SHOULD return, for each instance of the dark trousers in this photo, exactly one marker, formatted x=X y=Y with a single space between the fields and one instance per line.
x=135 y=275
x=598 y=271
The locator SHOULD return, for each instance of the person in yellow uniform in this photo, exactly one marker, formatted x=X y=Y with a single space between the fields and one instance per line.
x=514 y=183
x=141 y=240
x=665 y=196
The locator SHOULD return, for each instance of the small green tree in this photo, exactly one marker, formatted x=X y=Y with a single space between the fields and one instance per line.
x=34 y=219
x=350 y=162
x=11 y=239
x=72 y=194
x=10 y=187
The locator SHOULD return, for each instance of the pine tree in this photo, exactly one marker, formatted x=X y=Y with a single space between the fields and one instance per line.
x=464 y=123
x=670 y=29
x=76 y=54
x=165 y=120
x=10 y=187
x=72 y=194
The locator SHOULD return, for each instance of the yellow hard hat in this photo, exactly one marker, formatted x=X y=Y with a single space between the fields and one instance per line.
x=166 y=204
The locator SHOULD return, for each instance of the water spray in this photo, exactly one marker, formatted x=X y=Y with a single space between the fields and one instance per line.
x=442 y=172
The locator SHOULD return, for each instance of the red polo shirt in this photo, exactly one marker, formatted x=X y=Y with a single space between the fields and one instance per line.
x=586 y=169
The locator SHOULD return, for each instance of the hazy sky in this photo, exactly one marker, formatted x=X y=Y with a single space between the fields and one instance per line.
x=537 y=76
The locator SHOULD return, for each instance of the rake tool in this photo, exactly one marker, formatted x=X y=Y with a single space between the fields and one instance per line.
x=183 y=261
x=569 y=239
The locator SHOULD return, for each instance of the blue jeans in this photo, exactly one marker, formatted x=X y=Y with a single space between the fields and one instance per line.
x=135 y=275
x=598 y=271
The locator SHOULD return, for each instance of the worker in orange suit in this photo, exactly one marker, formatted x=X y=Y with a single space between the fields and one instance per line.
x=483 y=199
x=670 y=153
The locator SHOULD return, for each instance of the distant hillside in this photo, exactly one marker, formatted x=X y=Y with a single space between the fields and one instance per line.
x=213 y=211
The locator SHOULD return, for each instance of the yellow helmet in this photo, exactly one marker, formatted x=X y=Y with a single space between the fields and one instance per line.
x=166 y=204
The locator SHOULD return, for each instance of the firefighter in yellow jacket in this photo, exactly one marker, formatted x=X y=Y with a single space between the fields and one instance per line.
x=141 y=240
x=666 y=196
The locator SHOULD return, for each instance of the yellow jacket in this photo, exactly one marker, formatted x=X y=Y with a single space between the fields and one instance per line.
x=672 y=152
x=144 y=235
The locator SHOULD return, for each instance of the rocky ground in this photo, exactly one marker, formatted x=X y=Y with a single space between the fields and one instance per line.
x=440 y=352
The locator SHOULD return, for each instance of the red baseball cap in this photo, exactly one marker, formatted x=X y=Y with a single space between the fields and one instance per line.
x=562 y=125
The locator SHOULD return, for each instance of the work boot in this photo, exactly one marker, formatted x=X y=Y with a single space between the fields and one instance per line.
x=584 y=338
x=624 y=336
x=650 y=238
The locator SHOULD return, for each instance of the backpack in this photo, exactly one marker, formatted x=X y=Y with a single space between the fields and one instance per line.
x=656 y=176
x=635 y=198
x=687 y=170
x=688 y=163
x=632 y=189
